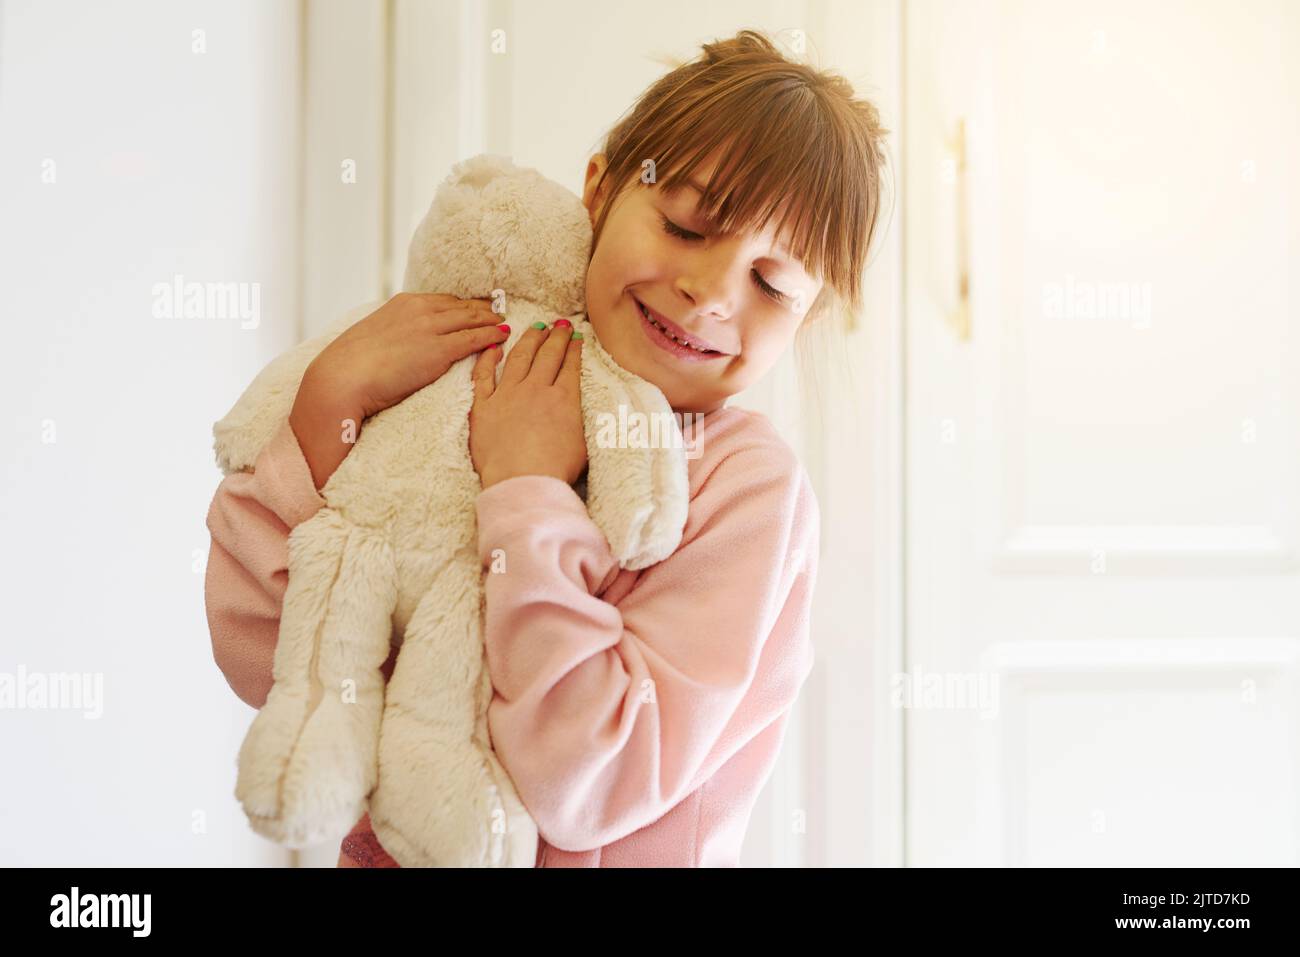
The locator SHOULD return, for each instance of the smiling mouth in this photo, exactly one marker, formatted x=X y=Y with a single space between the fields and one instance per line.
x=669 y=340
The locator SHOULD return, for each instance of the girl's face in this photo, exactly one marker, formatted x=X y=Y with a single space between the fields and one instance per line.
x=739 y=296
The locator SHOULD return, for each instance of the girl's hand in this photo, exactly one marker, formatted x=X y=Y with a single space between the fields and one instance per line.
x=398 y=349
x=530 y=423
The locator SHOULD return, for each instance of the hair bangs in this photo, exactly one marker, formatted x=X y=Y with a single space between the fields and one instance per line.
x=791 y=144
x=770 y=169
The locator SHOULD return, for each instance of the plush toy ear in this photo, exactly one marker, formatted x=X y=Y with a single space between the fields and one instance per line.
x=241 y=434
x=493 y=225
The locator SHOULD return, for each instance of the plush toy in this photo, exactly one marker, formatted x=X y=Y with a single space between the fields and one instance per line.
x=391 y=561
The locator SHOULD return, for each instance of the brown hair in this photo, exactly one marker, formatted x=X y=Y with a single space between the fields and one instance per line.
x=787 y=131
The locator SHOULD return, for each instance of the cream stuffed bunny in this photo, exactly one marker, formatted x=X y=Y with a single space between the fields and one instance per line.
x=392 y=559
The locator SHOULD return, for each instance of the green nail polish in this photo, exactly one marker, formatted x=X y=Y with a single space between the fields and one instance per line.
x=576 y=335
x=539 y=324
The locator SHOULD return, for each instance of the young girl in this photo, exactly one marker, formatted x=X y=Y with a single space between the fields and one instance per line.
x=639 y=713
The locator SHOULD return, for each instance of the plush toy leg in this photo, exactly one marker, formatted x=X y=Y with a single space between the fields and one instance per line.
x=442 y=799
x=309 y=760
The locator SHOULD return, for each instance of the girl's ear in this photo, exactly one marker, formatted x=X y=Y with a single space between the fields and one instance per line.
x=595 y=168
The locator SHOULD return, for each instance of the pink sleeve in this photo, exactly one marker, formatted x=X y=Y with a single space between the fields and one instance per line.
x=250 y=518
x=606 y=716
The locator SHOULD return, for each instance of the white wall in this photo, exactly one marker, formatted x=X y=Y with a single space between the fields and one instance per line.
x=165 y=161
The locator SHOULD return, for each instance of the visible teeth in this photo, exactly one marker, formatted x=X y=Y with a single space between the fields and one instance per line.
x=669 y=334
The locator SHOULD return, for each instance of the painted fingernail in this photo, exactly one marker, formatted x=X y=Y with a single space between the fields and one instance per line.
x=504 y=327
x=576 y=335
x=563 y=322
x=539 y=324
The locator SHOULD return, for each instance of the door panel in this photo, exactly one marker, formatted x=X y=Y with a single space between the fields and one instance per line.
x=1104 y=479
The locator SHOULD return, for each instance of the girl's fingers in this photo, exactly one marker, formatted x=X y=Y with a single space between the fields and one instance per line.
x=520 y=359
x=468 y=341
x=550 y=354
x=484 y=374
x=570 y=376
x=443 y=302
x=465 y=316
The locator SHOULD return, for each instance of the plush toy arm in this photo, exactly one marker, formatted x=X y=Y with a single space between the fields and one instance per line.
x=241 y=434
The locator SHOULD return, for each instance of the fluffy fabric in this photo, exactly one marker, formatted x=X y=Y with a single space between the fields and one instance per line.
x=392 y=558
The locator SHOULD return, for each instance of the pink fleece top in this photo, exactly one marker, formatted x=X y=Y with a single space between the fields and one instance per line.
x=639 y=713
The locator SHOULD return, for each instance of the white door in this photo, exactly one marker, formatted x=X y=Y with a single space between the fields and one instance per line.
x=1103 y=499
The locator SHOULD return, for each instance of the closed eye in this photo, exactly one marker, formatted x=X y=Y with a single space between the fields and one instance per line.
x=770 y=291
